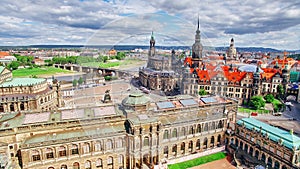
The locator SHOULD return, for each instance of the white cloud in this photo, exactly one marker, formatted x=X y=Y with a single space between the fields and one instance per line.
x=250 y=22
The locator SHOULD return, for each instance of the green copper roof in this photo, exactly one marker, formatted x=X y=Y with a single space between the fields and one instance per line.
x=135 y=99
x=289 y=140
x=22 y=82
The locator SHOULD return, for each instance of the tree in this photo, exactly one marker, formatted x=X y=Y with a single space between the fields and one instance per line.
x=120 y=55
x=13 y=65
x=202 y=92
x=280 y=91
x=269 y=98
x=80 y=81
x=257 y=102
x=75 y=81
x=107 y=78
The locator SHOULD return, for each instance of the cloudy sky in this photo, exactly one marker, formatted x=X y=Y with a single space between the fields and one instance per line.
x=259 y=23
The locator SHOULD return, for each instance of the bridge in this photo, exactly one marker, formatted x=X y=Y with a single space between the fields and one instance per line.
x=99 y=72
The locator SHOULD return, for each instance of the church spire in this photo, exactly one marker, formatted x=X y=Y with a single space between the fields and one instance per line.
x=198 y=23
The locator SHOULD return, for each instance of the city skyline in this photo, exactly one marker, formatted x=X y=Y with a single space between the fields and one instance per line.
x=88 y=22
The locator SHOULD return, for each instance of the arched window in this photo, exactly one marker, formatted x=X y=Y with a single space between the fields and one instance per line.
x=213 y=125
x=206 y=127
x=62 y=151
x=49 y=153
x=174 y=133
x=119 y=143
x=220 y=125
x=121 y=160
x=166 y=134
x=86 y=148
x=166 y=151
x=99 y=163
x=110 y=162
x=191 y=146
x=12 y=107
x=1 y=108
x=98 y=146
x=198 y=128
x=76 y=165
x=64 y=166
x=174 y=150
x=74 y=149
x=146 y=141
x=182 y=147
x=183 y=133
x=198 y=144
x=205 y=143
x=109 y=144
x=36 y=155
x=50 y=167
x=87 y=165
x=22 y=107
x=191 y=131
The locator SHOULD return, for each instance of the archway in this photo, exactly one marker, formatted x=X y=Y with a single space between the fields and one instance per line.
x=277 y=165
x=269 y=163
x=191 y=146
x=146 y=159
x=166 y=151
x=283 y=167
x=256 y=154
x=174 y=150
x=88 y=165
x=182 y=148
x=63 y=166
x=219 y=139
x=12 y=107
x=205 y=143
x=76 y=165
x=263 y=158
x=251 y=151
x=198 y=144
x=212 y=141
x=246 y=148
x=241 y=145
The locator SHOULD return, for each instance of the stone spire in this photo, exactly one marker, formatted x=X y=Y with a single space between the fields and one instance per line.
x=197 y=47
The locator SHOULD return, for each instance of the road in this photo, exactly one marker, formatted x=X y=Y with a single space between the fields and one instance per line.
x=294 y=113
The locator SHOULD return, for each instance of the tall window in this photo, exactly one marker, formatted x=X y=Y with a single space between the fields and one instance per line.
x=74 y=149
x=121 y=160
x=86 y=148
x=99 y=163
x=76 y=165
x=174 y=133
x=87 y=165
x=62 y=151
x=36 y=155
x=49 y=153
x=146 y=141
x=110 y=162
x=166 y=134
x=119 y=143
x=109 y=144
x=98 y=146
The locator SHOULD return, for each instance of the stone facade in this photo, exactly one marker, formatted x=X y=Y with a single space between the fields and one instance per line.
x=139 y=133
x=277 y=149
x=23 y=94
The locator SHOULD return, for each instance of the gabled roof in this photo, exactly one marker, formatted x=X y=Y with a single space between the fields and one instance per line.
x=288 y=139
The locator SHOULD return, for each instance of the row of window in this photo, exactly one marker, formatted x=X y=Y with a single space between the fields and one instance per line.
x=191 y=130
x=98 y=164
x=74 y=149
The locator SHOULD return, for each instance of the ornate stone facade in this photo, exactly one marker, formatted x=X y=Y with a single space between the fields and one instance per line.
x=139 y=133
x=272 y=146
x=23 y=94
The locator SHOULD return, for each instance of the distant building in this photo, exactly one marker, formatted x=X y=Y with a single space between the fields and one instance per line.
x=23 y=94
x=272 y=146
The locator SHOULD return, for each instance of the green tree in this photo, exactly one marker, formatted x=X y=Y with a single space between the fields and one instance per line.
x=13 y=65
x=120 y=55
x=202 y=92
x=257 y=102
x=269 y=98
x=107 y=78
x=75 y=81
x=280 y=91
x=80 y=81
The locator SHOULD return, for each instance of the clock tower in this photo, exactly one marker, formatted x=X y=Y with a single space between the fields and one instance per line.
x=197 y=48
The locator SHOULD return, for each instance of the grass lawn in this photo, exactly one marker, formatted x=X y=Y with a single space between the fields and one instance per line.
x=249 y=110
x=122 y=63
x=27 y=72
x=198 y=161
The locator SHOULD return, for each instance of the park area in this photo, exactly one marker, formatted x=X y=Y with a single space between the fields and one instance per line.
x=198 y=161
x=121 y=64
x=35 y=72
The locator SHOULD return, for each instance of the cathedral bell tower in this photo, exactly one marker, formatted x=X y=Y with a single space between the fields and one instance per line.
x=197 y=49
x=256 y=80
x=152 y=46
